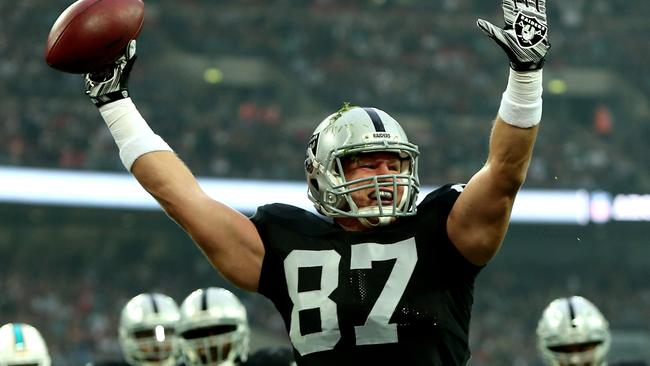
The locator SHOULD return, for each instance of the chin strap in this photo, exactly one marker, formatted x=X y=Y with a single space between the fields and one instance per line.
x=381 y=221
x=374 y=221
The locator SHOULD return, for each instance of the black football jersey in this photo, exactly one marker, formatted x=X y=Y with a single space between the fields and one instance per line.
x=397 y=294
x=271 y=356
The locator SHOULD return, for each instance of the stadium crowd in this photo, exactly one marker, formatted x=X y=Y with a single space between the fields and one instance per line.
x=434 y=71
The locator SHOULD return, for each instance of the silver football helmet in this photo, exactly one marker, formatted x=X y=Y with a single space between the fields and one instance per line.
x=352 y=131
x=22 y=344
x=147 y=331
x=213 y=328
x=572 y=331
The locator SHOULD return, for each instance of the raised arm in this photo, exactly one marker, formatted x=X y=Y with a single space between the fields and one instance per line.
x=228 y=239
x=479 y=219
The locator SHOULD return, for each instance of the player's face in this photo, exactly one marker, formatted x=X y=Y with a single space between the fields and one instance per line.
x=153 y=350
x=370 y=165
x=578 y=351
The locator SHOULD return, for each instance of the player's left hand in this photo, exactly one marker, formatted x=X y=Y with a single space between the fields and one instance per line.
x=524 y=36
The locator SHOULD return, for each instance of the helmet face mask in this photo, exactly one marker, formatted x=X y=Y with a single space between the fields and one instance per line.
x=148 y=346
x=572 y=331
x=350 y=132
x=22 y=344
x=147 y=331
x=577 y=354
x=214 y=345
x=213 y=328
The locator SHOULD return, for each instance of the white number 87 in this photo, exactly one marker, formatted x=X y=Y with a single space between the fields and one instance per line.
x=377 y=329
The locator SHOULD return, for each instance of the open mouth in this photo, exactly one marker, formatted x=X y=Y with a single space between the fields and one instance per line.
x=385 y=197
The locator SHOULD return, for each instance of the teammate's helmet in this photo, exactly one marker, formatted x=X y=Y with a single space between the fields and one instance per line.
x=147 y=331
x=213 y=328
x=351 y=131
x=22 y=344
x=572 y=331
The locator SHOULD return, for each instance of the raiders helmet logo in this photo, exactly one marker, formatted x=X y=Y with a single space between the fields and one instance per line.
x=309 y=166
x=313 y=143
x=529 y=31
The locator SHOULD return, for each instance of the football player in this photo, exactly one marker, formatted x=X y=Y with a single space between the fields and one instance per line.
x=22 y=345
x=573 y=332
x=213 y=329
x=147 y=330
x=384 y=280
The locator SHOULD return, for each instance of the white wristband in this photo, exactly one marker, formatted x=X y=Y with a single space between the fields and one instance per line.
x=521 y=103
x=130 y=131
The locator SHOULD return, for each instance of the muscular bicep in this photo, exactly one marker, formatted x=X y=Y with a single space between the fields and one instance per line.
x=478 y=222
x=228 y=239
x=479 y=219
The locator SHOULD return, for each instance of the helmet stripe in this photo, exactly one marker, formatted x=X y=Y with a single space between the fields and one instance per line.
x=18 y=337
x=376 y=120
x=204 y=299
x=154 y=305
x=572 y=312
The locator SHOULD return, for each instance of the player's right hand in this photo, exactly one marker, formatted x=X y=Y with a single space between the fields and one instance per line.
x=524 y=36
x=112 y=83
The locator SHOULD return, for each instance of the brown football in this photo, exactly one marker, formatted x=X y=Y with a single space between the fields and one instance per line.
x=91 y=34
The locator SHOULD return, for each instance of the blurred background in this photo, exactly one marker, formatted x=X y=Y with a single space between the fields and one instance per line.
x=236 y=88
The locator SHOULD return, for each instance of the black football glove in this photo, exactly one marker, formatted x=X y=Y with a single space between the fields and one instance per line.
x=524 y=36
x=111 y=84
